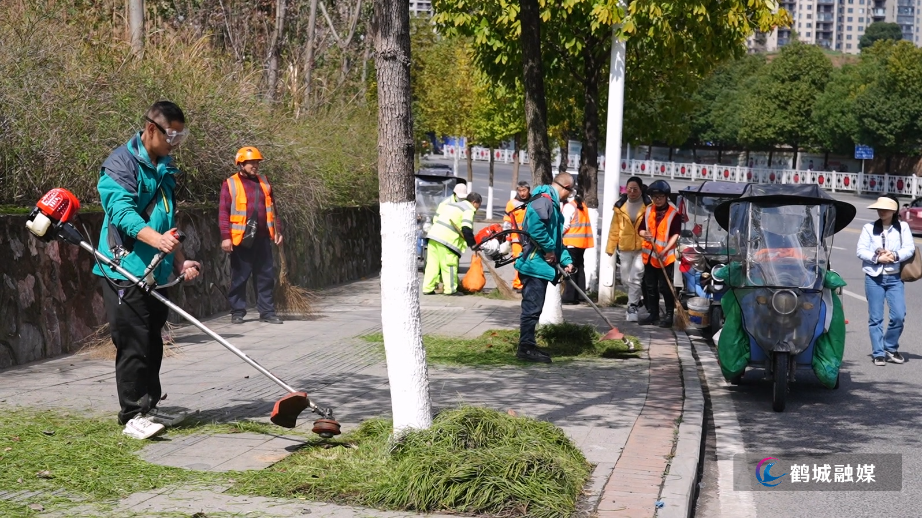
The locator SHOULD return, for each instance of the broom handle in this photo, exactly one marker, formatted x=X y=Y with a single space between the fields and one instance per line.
x=569 y=279
x=675 y=299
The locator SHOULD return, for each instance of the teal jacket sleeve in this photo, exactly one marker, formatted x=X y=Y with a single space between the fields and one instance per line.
x=565 y=259
x=120 y=205
x=536 y=218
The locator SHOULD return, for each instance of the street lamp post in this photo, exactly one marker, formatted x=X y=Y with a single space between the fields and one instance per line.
x=610 y=190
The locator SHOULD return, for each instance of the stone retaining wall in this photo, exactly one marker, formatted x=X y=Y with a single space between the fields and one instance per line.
x=50 y=301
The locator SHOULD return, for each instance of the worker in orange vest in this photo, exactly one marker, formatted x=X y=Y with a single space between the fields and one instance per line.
x=514 y=219
x=577 y=237
x=660 y=231
x=246 y=217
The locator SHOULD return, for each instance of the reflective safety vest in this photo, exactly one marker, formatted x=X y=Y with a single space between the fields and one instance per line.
x=238 y=212
x=447 y=224
x=579 y=233
x=660 y=231
x=514 y=219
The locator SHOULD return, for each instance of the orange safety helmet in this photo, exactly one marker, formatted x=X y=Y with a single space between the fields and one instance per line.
x=247 y=153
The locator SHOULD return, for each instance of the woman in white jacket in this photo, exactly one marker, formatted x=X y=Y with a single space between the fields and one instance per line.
x=883 y=245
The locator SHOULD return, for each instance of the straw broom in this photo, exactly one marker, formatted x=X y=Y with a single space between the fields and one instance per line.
x=504 y=288
x=291 y=300
x=99 y=346
x=680 y=320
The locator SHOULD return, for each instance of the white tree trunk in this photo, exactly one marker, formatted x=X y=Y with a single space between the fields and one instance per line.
x=400 y=314
x=591 y=259
x=552 y=312
x=400 y=318
x=610 y=191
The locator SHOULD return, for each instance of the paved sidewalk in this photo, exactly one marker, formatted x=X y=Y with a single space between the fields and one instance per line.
x=623 y=414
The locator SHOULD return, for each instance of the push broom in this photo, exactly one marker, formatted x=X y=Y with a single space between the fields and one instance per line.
x=50 y=219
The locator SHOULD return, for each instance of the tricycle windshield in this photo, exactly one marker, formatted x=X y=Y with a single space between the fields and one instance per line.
x=782 y=245
x=430 y=192
x=700 y=227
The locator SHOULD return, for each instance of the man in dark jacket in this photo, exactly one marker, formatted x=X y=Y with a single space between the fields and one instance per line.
x=136 y=191
x=247 y=218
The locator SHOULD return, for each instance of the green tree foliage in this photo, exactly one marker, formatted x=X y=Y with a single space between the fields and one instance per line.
x=719 y=99
x=880 y=31
x=779 y=107
x=833 y=116
x=888 y=99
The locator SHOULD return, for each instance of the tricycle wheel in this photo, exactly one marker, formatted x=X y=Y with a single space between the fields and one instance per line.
x=716 y=318
x=780 y=385
x=736 y=380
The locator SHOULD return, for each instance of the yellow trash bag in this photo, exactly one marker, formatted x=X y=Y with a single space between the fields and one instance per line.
x=474 y=279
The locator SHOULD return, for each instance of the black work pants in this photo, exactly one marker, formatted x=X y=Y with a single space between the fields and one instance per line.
x=533 y=294
x=654 y=284
x=255 y=262
x=570 y=296
x=136 y=320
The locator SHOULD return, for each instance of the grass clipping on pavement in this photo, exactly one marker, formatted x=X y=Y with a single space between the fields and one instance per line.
x=498 y=346
x=472 y=460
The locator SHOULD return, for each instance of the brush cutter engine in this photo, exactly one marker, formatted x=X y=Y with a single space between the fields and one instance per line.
x=51 y=219
x=490 y=241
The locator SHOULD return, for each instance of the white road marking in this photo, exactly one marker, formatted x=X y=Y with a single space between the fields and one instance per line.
x=838 y=248
x=854 y=295
x=735 y=504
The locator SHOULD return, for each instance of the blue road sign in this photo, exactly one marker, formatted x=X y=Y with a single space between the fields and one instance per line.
x=864 y=152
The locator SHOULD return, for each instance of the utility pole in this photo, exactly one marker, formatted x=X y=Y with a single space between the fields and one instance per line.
x=610 y=191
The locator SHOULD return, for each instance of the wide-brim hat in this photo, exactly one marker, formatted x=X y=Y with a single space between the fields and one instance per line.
x=885 y=203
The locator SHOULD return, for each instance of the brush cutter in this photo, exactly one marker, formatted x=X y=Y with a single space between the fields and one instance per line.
x=51 y=220
x=613 y=334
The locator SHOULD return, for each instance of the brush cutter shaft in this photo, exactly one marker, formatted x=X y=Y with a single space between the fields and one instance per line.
x=583 y=294
x=194 y=321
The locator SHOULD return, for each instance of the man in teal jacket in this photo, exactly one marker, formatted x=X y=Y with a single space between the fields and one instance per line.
x=136 y=191
x=544 y=223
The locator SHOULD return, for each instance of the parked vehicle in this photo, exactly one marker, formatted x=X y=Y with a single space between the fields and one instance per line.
x=434 y=183
x=911 y=213
x=702 y=248
x=782 y=310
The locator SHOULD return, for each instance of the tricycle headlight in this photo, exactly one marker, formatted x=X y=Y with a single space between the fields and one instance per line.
x=784 y=301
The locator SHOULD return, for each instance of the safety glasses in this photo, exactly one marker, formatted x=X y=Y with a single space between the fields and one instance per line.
x=569 y=188
x=173 y=138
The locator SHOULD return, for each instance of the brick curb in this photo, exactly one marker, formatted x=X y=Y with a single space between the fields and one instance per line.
x=679 y=489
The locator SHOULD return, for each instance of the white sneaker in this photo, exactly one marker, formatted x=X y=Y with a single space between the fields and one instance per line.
x=142 y=428
x=632 y=313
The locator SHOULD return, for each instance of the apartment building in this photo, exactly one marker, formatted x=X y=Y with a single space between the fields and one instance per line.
x=839 y=24
x=420 y=7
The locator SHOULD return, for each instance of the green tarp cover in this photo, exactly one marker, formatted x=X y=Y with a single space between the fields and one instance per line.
x=733 y=344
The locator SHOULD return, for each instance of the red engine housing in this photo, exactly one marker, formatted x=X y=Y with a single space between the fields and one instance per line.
x=60 y=205
x=488 y=232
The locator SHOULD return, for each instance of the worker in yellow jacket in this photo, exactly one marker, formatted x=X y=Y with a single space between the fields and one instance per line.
x=625 y=237
x=451 y=233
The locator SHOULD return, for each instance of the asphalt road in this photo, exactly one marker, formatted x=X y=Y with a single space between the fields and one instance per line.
x=875 y=410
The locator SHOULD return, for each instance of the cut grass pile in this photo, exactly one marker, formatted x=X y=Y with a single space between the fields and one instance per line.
x=498 y=346
x=87 y=457
x=472 y=460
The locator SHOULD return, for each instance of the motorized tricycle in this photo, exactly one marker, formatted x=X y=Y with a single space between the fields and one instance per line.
x=782 y=312
x=434 y=183
x=702 y=248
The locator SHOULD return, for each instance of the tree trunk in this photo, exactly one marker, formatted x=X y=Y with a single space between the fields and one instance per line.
x=670 y=153
x=720 y=155
x=516 y=162
x=490 y=189
x=564 y=156
x=826 y=161
x=539 y=153
x=470 y=165
x=136 y=26
x=273 y=73
x=400 y=314
x=794 y=161
x=309 y=58
x=770 y=153
x=588 y=182
x=694 y=154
